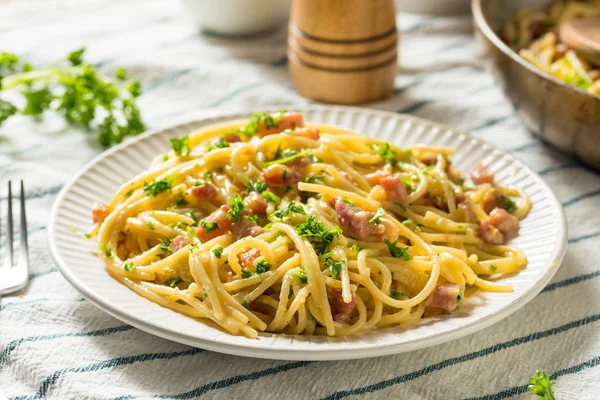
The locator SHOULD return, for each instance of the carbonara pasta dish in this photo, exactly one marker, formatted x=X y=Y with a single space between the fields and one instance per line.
x=533 y=34
x=274 y=225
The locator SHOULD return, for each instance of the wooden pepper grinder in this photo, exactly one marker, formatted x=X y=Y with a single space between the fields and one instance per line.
x=343 y=51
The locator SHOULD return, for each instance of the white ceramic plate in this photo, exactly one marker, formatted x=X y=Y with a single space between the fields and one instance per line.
x=542 y=236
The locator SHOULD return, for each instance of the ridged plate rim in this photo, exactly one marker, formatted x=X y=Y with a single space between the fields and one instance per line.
x=286 y=347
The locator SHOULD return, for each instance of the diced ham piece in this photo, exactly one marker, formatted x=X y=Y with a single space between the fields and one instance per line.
x=309 y=133
x=594 y=75
x=208 y=191
x=394 y=189
x=246 y=227
x=290 y=121
x=221 y=219
x=504 y=221
x=355 y=221
x=179 y=242
x=256 y=203
x=99 y=212
x=340 y=310
x=490 y=201
x=232 y=137
x=375 y=177
x=286 y=174
x=481 y=174
x=445 y=296
x=490 y=234
x=247 y=259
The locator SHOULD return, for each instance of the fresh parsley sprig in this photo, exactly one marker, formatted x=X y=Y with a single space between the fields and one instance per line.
x=398 y=252
x=78 y=91
x=541 y=385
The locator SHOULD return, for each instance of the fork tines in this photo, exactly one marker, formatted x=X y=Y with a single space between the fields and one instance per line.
x=14 y=273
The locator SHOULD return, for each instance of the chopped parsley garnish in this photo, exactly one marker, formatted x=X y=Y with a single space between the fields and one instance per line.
x=428 y=169
x=254 y=218
x=541 y=385
x=128 y=267
x=461 y=184
x=181 y=201
x=320 y=235
x=301 y=275
x=460 y=296
x=377 y=217
x=107 y=252
x=246 y=273
x=192 y=215
x=165 y=246
x=394 y=294
x=269 y=120
x=209 y=226
x=190 y=232
x=154 y=188
x=398 y=252
x=236 y=205
x=194 y=246
x=355 y=248
x=290 y=207
x=218 y=251
x=508 y=204
x=181 y=147
x=172 y=282
x=493 y=268
x=277 y=152
x=218 y=143
x=407 y=183
x=262 y=267
x=271 y=197
x=314 y=178
x=347 y=201
x=313 y=158
x=288 y=156
x=256 y=186
x=245 y=304
x=388 y=155
x=150 y=226
x=335 y=266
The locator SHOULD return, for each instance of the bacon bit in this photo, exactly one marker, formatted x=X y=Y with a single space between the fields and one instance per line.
x=179 y=242
x=21 y=296
x=445 y=296
x=503 y=221
x=481 y=174
x=247 y=259
x=221 y=218
x=256 y=203
x=290 y=121
x=232 y=137
x=594 y=75
x=490 y=234
x=286 y=174
x=394 y=189
x=355 y=221
x=489 y=201
x=339 y=309
x=246 y=227
x=208 y=191
x=99 y=212
x=308 y=133
x=375 y=177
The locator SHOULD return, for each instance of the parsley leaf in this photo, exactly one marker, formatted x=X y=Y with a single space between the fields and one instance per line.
x=172 y=282
x=236 y=205
x=347 y=201
x=181 y=147
x=107 y=251
x=321 y=236
x=388 y=155
x=128 y=267
x=209 y=226
x=377 y=217
x=355 y=248
x=290 y=207
x=508 y=204
x=262 y=267
x=541 y=385
x=256 y=186
x=246 y=273
x=269 y=121
x=394 y=294
x=398 y=252
x=218 y=251
x=154 y=188
x=335 y=266
x=219 y=143
x=271 y=197
x=165 y=246
x=291 y=156
x=314 y=178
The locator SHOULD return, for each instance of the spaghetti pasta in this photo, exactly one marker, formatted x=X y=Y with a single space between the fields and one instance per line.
x=271 y=225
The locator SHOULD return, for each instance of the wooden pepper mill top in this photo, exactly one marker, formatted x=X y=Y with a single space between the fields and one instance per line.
x=343 y=51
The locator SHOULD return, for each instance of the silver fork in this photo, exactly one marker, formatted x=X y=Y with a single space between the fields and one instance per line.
x=14 y=276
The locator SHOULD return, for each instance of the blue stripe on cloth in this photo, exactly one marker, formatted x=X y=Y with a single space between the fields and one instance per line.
x=40 y=194
x=10 y=347
x=491 y=122
x=418 y=26
x=172 y=77
x=235 y=92
x=582 y=197
x=111 y=363
x=25 y=302
x=594 y=362
x=524 y=147
x=464 y=358
x=29 y=233
x=42 y=273
x=585 y=237
x=410 y=85
x=571 y=281
x=200 y=390
x=555 y=168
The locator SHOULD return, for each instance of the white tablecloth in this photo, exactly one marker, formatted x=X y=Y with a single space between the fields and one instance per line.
x=54 y=344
